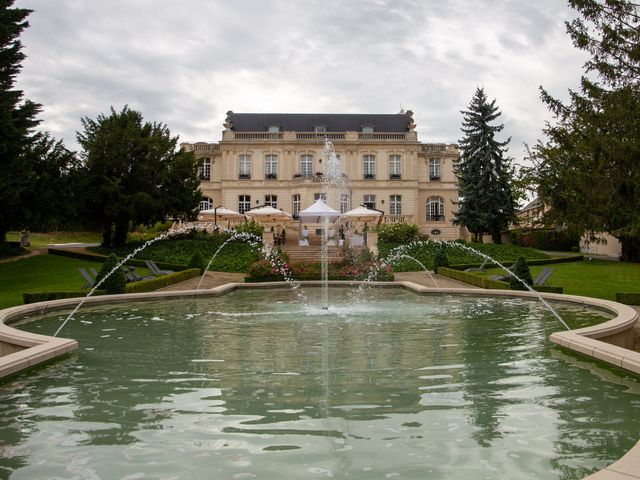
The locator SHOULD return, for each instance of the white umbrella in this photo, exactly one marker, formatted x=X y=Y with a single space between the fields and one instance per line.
x=268 y=214
x=363 y=214
x=318 y=213
x=222 y=214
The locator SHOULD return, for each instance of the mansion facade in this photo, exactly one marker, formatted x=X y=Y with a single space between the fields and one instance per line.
x=276 y=159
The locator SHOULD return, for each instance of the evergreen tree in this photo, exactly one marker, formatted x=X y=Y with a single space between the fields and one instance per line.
x=521 y=271
x=17 y=119
x=485 y=174
x=588 y=167
x=134 y=173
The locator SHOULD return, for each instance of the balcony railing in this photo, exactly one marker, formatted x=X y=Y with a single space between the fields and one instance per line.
x=391 y=219
x=369 y=176
x=270 y=176
x=258 y=135
x=435 y=218
x=395 y=176
x=434 y=178
x=315 y=178
x=381 y=136
x=436 y=147
x=244 y=176
x=320 y=136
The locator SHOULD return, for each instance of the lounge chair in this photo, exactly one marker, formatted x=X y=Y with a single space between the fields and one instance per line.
x=543 y=276
x=155 y=269
x=478 y=269
x=89 y=281
x=499 y=278
x=137 y=277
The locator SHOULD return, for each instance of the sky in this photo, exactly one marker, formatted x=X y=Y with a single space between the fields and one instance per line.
x=186 y=63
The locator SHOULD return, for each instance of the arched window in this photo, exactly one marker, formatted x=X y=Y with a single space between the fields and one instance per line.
x=206 y=203
x=435 y=209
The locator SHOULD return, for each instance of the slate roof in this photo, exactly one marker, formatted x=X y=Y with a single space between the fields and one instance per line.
x=305 y=122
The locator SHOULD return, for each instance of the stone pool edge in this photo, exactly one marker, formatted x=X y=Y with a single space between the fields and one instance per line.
x=21 y=350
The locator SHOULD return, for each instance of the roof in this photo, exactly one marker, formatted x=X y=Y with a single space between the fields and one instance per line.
x=306 y=122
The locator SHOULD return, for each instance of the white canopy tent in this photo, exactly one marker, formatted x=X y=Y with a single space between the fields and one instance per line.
x=363 y=214
x=318 y=213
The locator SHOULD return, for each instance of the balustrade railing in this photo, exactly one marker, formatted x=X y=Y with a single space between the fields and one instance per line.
x=391 y=219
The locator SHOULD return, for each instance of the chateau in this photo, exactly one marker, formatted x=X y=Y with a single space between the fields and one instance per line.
x=276 y=159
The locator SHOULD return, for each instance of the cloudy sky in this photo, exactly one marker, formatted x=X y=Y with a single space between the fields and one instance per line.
x=185 y=63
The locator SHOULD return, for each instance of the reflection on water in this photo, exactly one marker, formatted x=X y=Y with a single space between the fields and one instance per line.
x=254 y=385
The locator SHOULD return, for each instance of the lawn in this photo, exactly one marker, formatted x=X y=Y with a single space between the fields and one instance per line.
x=39 y=274
x=591 y=278
x=43 y=239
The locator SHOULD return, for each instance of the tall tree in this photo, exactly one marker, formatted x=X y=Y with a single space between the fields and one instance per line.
x=17 y=120
x=588 y=167
x=134 y=173
x=484 y=172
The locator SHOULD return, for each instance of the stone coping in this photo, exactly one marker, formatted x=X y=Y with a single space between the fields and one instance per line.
x=36 y=349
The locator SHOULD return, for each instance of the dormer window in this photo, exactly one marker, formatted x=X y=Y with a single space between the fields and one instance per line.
x=320 y=129
x=368 y=128
x=273 y=128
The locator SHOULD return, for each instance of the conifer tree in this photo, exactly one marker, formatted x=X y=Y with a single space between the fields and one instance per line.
x=484 y=172
x=17 y=119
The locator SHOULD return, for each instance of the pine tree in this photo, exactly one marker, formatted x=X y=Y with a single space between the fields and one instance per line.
x=484 y=173
x=17 y=119
x=588 y=167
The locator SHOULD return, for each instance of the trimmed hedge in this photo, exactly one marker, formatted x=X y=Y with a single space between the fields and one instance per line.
x=628 y=298
x=33 y=297
x=535 y=261
x=97 y=257
x=11 y=249
x=487 y=283
x=152 y=284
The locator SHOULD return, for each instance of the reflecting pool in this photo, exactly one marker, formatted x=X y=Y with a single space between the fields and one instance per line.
x=255 y=385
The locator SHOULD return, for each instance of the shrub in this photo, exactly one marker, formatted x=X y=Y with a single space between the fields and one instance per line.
x=399 y=233
x=11 y=249
x=628 y=298
x=116 y=281
x=197 y=261
x=520 y=270
x=251 y=227
x=561 y=240
x=441 y=259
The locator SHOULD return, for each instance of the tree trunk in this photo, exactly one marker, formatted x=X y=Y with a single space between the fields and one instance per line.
x=106 y=233
x=630 y=248
x=120 y=234
x=496 y=237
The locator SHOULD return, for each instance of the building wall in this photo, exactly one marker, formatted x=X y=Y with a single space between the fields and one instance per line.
x=414 y=185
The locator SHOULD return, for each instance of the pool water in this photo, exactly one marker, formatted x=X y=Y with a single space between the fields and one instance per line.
x=255 y=385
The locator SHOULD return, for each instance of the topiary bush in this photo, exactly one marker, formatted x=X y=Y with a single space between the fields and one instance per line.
x=114 y=283
x=440 y=259
x=197 y=261
x=520 y=270
x=399 y=233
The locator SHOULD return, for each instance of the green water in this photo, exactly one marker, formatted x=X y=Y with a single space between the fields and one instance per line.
x=254 y=385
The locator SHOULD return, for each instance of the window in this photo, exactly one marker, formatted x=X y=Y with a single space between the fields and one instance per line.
x=205 y=169
x=206 y=203
x=435 y=209
x=271 y=200
x=368 y=128
x=395 y=204
x=244 y=167
x=320 y=129
x=434 y=169
x=369 y=167
x=244 y=203
x=271 y=167
x=273 y=128
x=295 y=201
x=369 y=201
x=318 y=196
x=345 y=202
x=394 y=166
x=306 y=165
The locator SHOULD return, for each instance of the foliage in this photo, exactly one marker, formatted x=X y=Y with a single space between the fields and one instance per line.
x=521 y=271
x=484 y=172
x=588 y=167
x=554 y=240
x=11 y=249
x=114 y=283
x=399 y=233
x=17 y=119
x=440 y=260
x=33 y=297
x=144 y=233
x=628 y=298
x=134 y=173
x=197 y=261
x=252 y=227
x=425 y=252
x=162 y=281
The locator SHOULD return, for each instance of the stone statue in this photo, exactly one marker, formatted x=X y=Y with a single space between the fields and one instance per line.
x=228 y=123
x=411 y=126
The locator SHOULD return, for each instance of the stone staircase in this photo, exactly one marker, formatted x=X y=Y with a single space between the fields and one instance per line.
x=311 y=253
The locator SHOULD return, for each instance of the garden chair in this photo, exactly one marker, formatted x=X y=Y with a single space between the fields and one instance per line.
x=137 y=277
x=154 y=269
x=544 y=275
x=89 y=281
x=478 y=269
x=94 y=272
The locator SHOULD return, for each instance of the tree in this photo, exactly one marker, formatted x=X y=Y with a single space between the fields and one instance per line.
x=134 y=173
x=588 y=167
x=17 y=119
x=484 y=173
x=520 y=272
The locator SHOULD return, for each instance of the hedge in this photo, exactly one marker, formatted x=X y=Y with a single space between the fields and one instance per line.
x=97 y=257
x=33 y=297
x=152 y=284
x=487 y=283
x=628 y=298
x=535 y=261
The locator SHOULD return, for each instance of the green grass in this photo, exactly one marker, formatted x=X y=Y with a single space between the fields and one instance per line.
x=40 y=273
x=591 y=278
x=41 y=239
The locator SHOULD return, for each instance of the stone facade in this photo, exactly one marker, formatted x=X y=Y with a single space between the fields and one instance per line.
x=277 y=159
